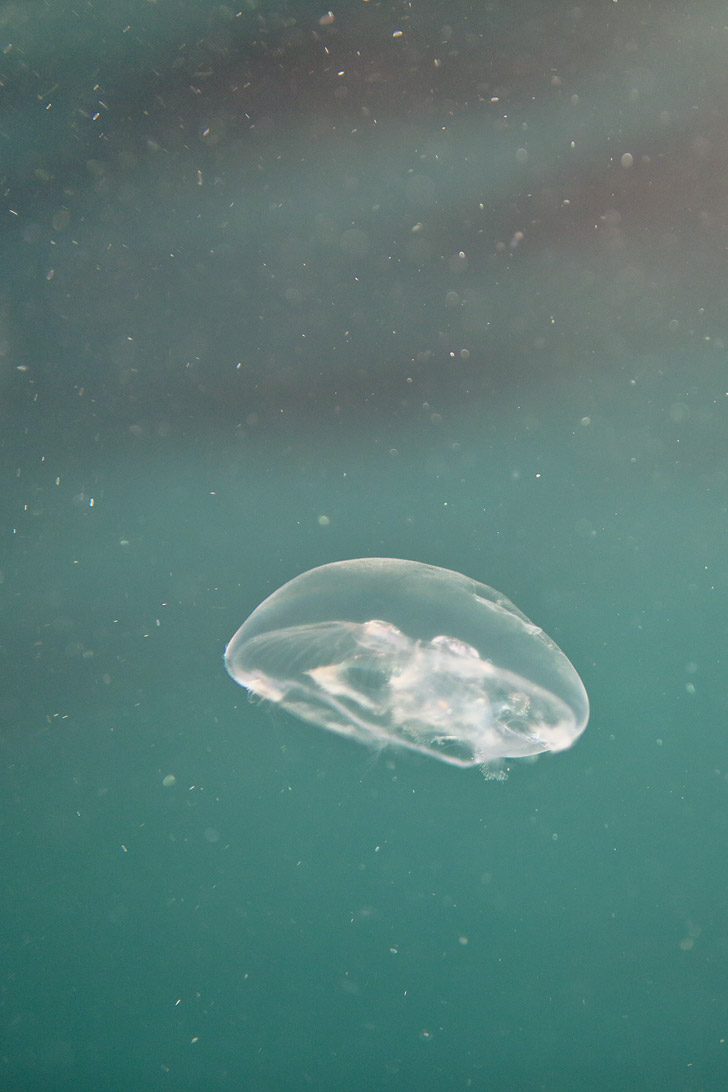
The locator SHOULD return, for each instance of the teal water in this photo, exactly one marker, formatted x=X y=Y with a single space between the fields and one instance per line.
x=210 y=387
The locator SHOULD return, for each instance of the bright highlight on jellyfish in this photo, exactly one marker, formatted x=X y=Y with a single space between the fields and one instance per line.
x=396 y=652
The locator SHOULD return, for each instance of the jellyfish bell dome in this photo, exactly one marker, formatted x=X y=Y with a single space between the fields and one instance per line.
x=398 y=652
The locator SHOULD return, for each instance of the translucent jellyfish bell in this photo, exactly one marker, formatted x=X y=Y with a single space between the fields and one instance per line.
x=398 y=652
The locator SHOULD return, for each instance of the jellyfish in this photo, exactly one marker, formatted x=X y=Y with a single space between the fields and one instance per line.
x=394 y=652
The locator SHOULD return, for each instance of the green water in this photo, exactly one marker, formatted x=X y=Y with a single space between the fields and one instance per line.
x=209 y=387
x=295 y=911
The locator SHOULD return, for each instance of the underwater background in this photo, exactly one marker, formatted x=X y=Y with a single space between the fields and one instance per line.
x=283 y=286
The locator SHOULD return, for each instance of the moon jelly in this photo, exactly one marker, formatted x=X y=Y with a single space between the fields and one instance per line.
x=397 y=652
